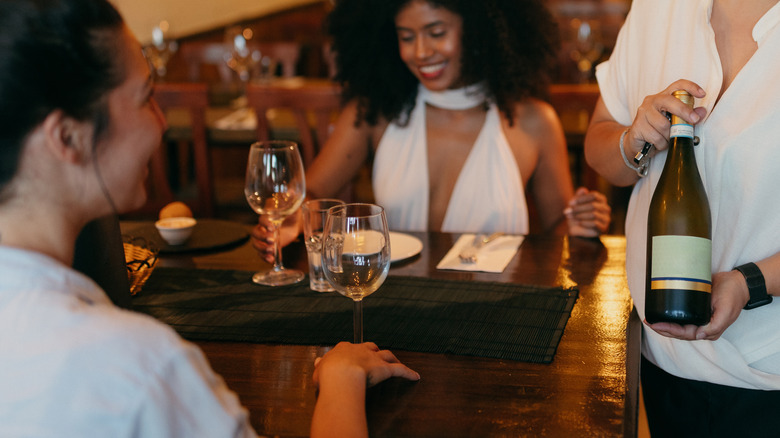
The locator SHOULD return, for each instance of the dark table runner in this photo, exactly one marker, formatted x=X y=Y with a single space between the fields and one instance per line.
x=498 y=320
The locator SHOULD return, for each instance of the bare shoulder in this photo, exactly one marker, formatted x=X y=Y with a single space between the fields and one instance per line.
x=350 y=124
x=535 y=122
x=536 y=117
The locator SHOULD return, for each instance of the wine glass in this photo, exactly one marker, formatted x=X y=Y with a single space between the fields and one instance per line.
x=587 y=46
x=356 y=254
x=160 y=51
x=275 y=186
x=241 y=59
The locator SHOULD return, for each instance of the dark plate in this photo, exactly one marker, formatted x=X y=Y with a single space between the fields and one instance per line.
x=208 y=235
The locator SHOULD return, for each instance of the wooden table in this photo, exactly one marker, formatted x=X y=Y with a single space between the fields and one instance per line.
x=590 y=389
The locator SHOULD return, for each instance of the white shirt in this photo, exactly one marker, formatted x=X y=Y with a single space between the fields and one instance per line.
x=738 y=159
x=488 y=195
x=74 y=365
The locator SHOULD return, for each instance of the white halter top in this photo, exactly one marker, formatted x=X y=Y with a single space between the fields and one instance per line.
x=488 y=195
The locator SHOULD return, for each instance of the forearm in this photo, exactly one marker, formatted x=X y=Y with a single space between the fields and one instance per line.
x=602 y=152
x=342 y=156
x=340 y=409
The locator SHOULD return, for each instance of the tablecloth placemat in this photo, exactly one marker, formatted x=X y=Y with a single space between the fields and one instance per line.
x=208 y=235
x=486 y=319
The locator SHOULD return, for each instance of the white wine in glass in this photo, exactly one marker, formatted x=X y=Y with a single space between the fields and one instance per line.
x=356 y=254
x=275 y=186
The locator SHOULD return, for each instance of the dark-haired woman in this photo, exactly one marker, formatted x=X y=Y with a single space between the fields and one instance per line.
x=446 y=96
x=78 y=128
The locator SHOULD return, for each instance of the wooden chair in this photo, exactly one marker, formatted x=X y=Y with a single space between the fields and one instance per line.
x=569 y=97
x=193 y=99
x=313 y=106
x=284 y=53
x=199 y=54
x=574 y=104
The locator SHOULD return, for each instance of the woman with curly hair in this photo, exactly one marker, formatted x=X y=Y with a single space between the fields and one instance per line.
x=446 y=97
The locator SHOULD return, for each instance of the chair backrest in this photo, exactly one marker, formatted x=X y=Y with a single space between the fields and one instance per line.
x=313 y=105
x=198 y=54
x=284 y=53
x=574 y=97
x=193 y=98
x=574 y=104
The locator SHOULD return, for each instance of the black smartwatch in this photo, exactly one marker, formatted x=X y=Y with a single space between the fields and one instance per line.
x=756 y=286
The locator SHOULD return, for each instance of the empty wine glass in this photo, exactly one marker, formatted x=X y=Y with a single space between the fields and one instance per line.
x=275 y=186
x=161 y=50
x=241 y=59
x=587 y=46
x=356 y=254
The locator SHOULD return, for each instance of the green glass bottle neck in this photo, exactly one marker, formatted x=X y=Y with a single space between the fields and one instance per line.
x=681 y=154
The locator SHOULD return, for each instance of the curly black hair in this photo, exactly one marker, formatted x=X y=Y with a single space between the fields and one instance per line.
x=509 y=44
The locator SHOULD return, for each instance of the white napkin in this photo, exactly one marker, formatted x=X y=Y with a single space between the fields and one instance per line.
x=243 y=118
x=493 y=257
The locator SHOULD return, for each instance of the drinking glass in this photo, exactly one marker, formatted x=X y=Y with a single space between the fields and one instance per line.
x=356 y=254
x=242 y=59
x=315 y=212
x=275 y=186
x=160 y=51
x=587 y=46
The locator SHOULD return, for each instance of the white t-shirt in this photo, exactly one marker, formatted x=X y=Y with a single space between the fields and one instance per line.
x=739 y=161
x=74 y=365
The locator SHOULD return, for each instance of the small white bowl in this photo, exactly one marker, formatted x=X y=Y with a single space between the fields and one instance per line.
x=175 y=230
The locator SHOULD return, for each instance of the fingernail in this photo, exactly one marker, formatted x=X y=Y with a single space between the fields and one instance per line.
x=701 y=335
x=695 y=117
x=317 y=360
x=567 y=211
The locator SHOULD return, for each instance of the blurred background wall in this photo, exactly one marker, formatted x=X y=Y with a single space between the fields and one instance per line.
x=188 y=17
x=588 y=28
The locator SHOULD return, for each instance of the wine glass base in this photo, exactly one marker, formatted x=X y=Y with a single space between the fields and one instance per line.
x=278 y=278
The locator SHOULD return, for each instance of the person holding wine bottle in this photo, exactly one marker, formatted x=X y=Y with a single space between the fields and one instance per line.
x=719 y=376
x=79 y=127
x=446 y=97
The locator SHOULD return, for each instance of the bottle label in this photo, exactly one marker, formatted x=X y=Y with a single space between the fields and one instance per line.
x=681 y=262
x=681 y=130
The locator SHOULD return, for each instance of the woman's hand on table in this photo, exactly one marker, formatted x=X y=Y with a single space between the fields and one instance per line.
x=365 y=361
x=342 y=376
x=588 y=213
x=263 y=235
x=729 y=296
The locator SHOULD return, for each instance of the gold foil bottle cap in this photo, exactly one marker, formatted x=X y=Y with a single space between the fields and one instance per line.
x=684 y=96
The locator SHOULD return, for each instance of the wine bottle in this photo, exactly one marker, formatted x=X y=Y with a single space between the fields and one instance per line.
x=679 y=235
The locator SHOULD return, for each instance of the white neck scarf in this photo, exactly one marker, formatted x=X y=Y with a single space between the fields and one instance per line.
x=488 y=195
x=460 y=99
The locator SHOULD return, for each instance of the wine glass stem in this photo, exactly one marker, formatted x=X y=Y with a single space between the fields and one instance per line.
x=277 y=248
x=358 y=322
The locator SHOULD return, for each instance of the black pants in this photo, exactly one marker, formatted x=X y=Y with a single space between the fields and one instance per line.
x=679 y=407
